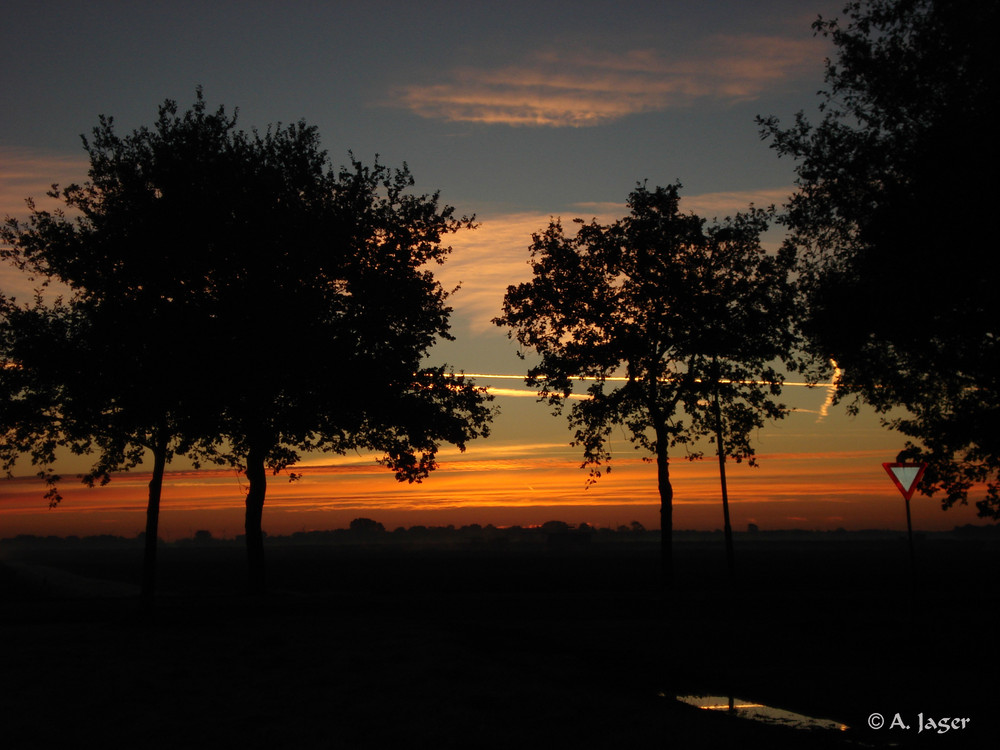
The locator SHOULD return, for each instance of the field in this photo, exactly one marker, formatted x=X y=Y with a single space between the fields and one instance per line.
x=462 y=645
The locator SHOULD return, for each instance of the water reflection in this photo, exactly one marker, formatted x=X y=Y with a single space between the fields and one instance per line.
x=759 y=712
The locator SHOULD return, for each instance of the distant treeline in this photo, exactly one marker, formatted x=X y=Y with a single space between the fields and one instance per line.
x=552 y=533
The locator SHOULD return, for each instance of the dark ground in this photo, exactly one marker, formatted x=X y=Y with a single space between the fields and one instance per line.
x=399 y=646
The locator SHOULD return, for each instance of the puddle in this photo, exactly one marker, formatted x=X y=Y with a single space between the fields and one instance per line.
x=761 y=712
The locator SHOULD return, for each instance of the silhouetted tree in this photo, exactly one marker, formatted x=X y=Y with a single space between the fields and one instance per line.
x=331 y=270
x=110 y=370
x=366 y=526
x=33 y=342
x=899 y=271
x=258 y=302
x=555 y=527
x=682 y=312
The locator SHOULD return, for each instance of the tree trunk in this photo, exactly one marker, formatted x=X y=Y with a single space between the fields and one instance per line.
x=727 y=526
x=257 y=477
x=666 y=510
x=153 y=520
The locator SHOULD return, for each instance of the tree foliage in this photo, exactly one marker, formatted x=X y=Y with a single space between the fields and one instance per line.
x=898 y=268
x=678 y=311
x=112 y=364
x=31 y=423
x=244 y=301
x=108 y=371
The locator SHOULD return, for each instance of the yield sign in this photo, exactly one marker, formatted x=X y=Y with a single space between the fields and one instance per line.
x=906 y=477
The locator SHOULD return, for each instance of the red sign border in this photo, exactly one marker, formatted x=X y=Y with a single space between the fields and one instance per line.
x=907 y=494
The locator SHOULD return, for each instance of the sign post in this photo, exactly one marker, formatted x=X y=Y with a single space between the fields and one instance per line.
x=906 y=477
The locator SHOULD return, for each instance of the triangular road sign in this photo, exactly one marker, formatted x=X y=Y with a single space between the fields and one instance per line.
x=906 y=477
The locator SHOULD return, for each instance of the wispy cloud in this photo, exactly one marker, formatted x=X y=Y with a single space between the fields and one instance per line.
x=508 y=484
x=708 y=205
x=30 y=174
x=486 y=261
x=581 y=89
x=718 y=205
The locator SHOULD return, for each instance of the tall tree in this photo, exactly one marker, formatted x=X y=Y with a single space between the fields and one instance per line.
x=330 y=297
x=109 y=371
x=236 y=298
x=691 y=317
x=898 y=268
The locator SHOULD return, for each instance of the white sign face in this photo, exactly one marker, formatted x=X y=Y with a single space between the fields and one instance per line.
x=906 y=475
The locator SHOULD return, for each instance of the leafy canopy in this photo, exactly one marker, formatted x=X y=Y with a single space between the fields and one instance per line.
x=898 y=270
x=229 y=291
x=109 y=369
x=673 y=310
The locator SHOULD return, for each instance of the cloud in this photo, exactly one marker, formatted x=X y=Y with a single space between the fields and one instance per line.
x=29 y=174
x=811 y=487
x=486 y=261
x=576 y=89
x=718 y=205
x=708 y=205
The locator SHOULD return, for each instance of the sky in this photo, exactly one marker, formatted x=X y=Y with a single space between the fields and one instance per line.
x=518 y=112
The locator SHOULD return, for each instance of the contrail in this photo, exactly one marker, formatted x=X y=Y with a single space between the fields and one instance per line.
x=824 y=410
x=832 y=385
x=525 y=393
x=831 y=391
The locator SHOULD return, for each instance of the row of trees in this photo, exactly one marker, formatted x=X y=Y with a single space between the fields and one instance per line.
x=235 y=299
x=228 y=288
x=896 y=272
x=676 y=324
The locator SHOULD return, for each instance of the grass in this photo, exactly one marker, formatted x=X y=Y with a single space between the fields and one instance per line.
x=384 y=647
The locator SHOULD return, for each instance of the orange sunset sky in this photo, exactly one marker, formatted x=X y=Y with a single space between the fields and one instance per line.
x=517 y=112
x=816 y=472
